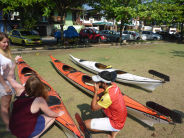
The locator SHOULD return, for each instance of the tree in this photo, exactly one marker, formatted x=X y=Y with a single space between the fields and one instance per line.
x=163 y=11
x=30 y=11
x=62 y=6
x=121 y=10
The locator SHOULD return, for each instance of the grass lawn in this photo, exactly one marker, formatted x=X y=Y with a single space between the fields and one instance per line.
x=167 y=58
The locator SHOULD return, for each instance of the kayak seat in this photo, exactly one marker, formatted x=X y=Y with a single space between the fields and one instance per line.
x=87 y=80
x=53 y=100
x=28 y=74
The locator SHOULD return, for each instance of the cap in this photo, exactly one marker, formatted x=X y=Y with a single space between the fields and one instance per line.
x=105 y=76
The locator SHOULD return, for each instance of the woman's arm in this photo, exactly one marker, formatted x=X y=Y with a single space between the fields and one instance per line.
x=18 y=87
x=44 y=107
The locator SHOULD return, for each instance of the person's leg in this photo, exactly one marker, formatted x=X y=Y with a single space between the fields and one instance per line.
x=48 y=122
x=5 y=106
x=101 y=125
x=113 y=134
x=88 y=126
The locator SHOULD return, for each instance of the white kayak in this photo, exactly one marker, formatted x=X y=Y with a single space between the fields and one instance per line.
x=122 y=76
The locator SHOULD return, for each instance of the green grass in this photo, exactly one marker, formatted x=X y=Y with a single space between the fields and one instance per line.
x=167 y=58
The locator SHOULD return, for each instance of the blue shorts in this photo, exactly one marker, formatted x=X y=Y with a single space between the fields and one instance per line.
x=40 y=125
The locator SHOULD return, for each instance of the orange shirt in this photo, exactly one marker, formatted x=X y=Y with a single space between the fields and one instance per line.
x=114 y=106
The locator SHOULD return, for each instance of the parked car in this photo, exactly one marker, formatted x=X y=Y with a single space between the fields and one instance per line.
x=24 y=37
x=133 y=35
x=172 y=31
x=126 y=36
x=165 y=35
x=91 y=35
x=112 y=36
x=149 y=35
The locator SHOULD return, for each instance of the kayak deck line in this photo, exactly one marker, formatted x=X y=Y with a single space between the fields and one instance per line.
x=141 y=112
x=54 y=100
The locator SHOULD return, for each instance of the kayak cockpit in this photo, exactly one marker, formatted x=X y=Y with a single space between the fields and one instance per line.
x=81 y=60
x=53 y=100
x=68 y=68
x=119 y=72
x=27 y=71
x=87 y=80
x=102 y=66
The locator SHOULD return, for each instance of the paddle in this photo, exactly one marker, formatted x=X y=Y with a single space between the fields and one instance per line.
x=82 y=126
x=160 y=75
x=176 y=118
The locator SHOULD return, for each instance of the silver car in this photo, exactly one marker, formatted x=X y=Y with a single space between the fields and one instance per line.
x=149 y=35
x=132 y=35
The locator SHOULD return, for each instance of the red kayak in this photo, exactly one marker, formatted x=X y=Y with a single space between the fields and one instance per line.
x=149 y=116
x=55 y=103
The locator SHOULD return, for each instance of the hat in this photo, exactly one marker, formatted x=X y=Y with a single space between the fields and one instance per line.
x=105 y=76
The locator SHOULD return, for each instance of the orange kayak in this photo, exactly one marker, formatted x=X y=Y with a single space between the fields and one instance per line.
x=55 y=102
x=143 y=113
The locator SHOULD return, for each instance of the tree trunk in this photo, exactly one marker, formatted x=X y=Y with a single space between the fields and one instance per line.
x=5 y=18
x=121 y=31
x=5 y=26
x=121 y=27
x=181 y=39
x=62 y=23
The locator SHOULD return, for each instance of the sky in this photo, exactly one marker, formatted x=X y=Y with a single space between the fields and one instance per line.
x=87 y=7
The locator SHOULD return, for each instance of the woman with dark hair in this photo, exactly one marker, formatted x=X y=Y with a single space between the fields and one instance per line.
x=26 y=120
x=6 y=90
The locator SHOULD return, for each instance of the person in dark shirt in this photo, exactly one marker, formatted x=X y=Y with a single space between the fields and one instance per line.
x=26 y=120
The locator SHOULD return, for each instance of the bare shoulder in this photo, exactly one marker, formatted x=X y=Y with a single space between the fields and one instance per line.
x=40 y=100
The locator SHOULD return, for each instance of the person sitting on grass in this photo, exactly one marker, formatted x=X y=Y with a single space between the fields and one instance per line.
x=26 y=120
x=111 y=102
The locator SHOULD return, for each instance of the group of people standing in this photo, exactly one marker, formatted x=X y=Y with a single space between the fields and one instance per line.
x=26 y=119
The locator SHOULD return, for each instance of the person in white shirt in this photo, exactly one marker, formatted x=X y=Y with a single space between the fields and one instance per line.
x=6 y=90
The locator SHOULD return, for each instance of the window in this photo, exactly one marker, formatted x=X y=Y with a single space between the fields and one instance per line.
x=16 y=33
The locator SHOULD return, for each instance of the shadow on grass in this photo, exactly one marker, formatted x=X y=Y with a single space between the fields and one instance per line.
x=3 y=132
x=87 y=113
x=180 y=113
x=178 y=53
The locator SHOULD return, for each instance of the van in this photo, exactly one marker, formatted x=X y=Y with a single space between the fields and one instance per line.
x=172 y=30
x=156 y=29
